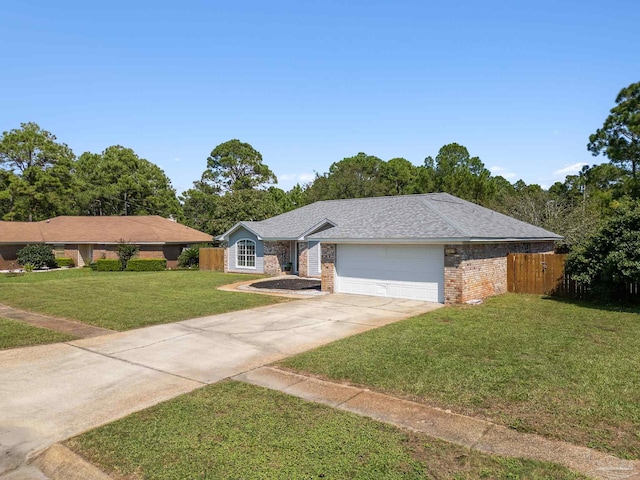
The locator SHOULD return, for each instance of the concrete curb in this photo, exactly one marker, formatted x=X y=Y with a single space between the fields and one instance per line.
x=59 y=463
x=477 y=434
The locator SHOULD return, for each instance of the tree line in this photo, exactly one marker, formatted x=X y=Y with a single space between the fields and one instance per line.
x=41 y=177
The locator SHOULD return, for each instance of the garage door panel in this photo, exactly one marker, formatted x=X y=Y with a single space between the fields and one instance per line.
x=399 y=271
x=398 y=275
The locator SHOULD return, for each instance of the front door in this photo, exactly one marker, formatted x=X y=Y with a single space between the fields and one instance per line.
x=85 y=255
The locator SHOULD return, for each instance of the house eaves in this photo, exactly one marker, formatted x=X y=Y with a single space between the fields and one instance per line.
x=430 y=241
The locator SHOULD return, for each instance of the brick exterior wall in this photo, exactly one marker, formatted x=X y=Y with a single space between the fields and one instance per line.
x=303 y=260
x=480 y=270
x=8 y=253
x=226 y=259
x=472 y=272
x=276 y=255
x=71 y=251
x=104 y=251
x=328 y=260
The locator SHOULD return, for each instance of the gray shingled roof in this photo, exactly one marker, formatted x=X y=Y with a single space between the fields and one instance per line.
x=428 y=217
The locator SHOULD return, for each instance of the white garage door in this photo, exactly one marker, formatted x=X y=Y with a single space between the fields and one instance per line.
x=400 y=271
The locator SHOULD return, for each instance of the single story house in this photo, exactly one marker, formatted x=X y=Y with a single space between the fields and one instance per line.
x=433 y=247
x=86 y=239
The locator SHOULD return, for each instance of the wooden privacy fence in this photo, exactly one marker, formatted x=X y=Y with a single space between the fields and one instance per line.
x=212 y=259
x=537 y=273
x=543 y=274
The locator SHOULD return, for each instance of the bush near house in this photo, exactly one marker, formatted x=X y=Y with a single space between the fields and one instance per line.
x=125 y=251
x=190 y=257
x=108 y=265
x=146 y=264
x=64 y=262
x=37 y=255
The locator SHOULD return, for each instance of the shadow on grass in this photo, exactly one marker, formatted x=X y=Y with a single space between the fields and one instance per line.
x=624 y=306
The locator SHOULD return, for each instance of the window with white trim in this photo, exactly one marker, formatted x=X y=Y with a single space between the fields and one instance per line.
x=246 y=253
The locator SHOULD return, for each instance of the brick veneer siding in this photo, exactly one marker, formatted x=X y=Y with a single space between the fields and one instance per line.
x=328 y=260
x=276 y=255
x=226 y=259
x=71 y=251
x=480 y=270
x=8 y=253
x=303 y=260
x=473 y=272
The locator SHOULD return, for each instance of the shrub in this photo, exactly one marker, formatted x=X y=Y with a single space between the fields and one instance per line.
x=38 y=255
x=126 y=251
x=147 y=264
x=108 y=265
x=190 y=257
x=93 y=266
x=64 y=262
x=609 y=260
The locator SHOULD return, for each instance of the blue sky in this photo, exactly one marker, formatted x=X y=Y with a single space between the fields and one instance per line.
x=520 y=84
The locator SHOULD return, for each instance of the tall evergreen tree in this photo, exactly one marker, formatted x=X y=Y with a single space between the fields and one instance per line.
x=35 y=173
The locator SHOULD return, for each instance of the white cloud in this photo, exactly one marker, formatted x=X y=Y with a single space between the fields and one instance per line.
x=561 y=174
x=177 y=159
x=570 y=169
x=297 y=177
x=496 y=170
x=306 y=177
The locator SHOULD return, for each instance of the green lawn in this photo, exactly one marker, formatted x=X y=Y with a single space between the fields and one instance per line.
x=235 y=430
x=126 y=300
x=565 y=370
x=18 y=334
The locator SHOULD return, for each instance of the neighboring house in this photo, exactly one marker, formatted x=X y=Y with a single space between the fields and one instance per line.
x=433 y=247
x=86 y=239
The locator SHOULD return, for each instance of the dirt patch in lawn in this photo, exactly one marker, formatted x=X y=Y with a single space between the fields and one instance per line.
x=293 y=283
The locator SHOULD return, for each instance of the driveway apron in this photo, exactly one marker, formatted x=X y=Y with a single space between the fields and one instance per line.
x=52 y=392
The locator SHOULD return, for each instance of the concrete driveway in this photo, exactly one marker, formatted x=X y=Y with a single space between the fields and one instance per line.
x=53 y=392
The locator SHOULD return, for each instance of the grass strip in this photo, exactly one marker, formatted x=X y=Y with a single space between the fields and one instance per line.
x=567 y=370
x=18 y=334
x=236 y=430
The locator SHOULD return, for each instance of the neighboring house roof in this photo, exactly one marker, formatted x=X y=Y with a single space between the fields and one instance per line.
x=415 y=218
x=101 y=230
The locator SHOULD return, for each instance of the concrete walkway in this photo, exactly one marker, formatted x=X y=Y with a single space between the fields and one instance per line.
x=80 y=330
x=49 y=393
x=470 y=432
